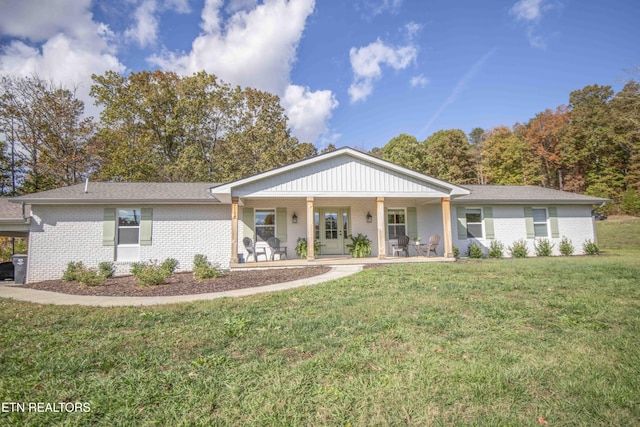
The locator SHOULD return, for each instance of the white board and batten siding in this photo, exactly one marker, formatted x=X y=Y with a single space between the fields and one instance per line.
x=340 y=176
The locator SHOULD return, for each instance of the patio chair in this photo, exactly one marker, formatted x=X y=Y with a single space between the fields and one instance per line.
x=401 y=246
x=434 y=241
x=252 y=250
x=276 y=249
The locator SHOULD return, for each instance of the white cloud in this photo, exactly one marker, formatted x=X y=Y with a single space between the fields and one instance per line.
x=527 y=10
x=413 y=29
x=378 y=7
x=180 y=6
x=237 y=5
x=256 y=47
x=420 y=80
x=74 y=48
x=36 y=20
x=145 y=31
x=253 y=48
x=366 y=64
x=308 y=111
x=531 y=12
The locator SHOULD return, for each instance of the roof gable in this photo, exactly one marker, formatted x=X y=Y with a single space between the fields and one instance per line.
x=341 y=173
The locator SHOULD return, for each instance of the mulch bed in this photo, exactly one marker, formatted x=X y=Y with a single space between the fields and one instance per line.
x=181 y=283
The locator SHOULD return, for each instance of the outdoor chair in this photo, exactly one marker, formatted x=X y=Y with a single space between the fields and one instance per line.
x=252 y=250
x=276 y=249
x=434 y=241
x=401 y=246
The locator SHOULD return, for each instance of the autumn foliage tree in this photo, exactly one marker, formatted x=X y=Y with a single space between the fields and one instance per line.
x=158 y=126
x=54 y=143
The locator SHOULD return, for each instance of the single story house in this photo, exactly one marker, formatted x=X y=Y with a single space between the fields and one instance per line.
x=325 y=198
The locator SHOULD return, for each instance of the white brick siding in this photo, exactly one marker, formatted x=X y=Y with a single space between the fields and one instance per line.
x=60 y=234
x=574 y=222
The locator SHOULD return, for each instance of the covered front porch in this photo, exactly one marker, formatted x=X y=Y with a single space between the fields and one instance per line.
x=326 y=199
x=327 y=224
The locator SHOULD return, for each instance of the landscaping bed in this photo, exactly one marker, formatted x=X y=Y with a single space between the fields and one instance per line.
x=182 y=283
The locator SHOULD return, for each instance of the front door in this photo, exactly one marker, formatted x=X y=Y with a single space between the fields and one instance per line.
x=334 y=229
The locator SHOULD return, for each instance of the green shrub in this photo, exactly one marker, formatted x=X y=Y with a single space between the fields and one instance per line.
x=73 y=270
x=360 y=246
x=566 y=247
x=77 y=272
x=590 y=248
x=474 y=251
x=150 y=273
x=543 y=247
x=90 y=277
x=203 y=269
x=496 y=249
x=106 y=269
x=519 y=249
x=456 y=252
x=170 y=265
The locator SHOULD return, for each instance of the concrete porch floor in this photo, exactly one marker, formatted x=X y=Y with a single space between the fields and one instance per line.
x=335 y=260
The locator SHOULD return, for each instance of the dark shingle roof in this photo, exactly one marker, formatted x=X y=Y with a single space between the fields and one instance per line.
x=524 y=194
x=125 y=192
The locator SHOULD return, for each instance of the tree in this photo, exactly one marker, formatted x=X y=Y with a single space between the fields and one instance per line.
x=157 y=126
x=508 y=159
x=405 y=150
x=476 y=138
x=544 y=134
x=591 y=154
x=449 y=157
x=54 y=142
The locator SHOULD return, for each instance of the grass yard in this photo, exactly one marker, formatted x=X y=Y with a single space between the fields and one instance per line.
x=510 y=342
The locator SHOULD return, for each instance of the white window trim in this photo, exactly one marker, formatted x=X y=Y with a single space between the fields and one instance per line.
x=403 y=223
x=125 y=251
x=546 y=222
x=484 y=234
x=261 y=243
x=118 y=227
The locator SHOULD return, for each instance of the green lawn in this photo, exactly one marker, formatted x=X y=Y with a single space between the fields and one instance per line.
x=510 y=342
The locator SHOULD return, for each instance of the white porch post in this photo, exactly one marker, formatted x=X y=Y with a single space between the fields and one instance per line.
x=382 y=247
x=310 y=230
x=446 y=227
x=234 y=230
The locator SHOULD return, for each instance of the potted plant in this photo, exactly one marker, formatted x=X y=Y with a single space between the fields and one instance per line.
x=301 y=247
x=360 y=246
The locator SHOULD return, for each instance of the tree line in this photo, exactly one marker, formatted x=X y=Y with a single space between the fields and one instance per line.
x=154 y=126
x=590 y=146
x=158 y=126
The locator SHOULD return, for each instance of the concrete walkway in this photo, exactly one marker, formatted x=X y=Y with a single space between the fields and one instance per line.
x=46 y=297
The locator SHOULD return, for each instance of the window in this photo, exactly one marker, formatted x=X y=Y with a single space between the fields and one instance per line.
x=396 y=220
x=474 y=223
x=128 y=226
x=265 y=224
x=540 y=228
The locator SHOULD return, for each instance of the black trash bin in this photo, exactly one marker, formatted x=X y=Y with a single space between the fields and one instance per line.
x=19 y=268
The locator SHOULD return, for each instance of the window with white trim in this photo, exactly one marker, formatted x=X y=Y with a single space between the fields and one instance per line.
x=474 y=223
x=128 y=227
x=540 y=222
x=396 y=223
x=265 y=224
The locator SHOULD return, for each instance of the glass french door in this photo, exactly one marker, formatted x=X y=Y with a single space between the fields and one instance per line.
x=334 y=229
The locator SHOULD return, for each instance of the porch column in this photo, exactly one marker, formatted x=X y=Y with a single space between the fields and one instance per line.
x=310 y=230
x=234 y=230
x=446 y=227
x=382 y=246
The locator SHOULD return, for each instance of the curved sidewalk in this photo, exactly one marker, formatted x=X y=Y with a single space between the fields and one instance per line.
x=46 y=297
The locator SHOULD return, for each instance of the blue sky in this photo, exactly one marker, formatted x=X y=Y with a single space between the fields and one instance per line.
x=353 y=73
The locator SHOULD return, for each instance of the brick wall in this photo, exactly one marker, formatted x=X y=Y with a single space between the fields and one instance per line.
x=60 y=234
